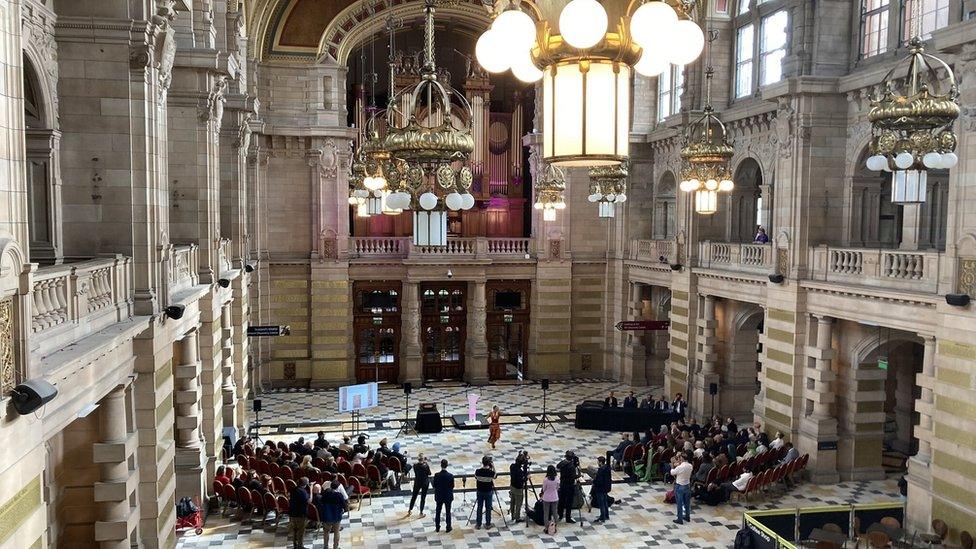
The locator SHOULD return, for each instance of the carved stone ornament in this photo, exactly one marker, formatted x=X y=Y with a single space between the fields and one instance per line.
x=783 y=261
x=165 y=56
x=555 y=249
x=966 y=281
x=328 y=160
x=213 y=111
x=38 y=37
x=785 y=127
x=8 y=364
x=243 y=142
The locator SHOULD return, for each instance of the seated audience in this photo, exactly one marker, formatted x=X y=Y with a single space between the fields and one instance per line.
x=647 y=403
x=610 y=401
x=630 y=401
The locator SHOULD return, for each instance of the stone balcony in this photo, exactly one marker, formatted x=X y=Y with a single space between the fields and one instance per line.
x=74 y=300
x=745 y=258
x=915 y=271
x=368 y=248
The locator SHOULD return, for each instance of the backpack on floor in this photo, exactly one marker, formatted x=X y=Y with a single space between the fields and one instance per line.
x=743 y=539
x=669 y=496
x=551 y=527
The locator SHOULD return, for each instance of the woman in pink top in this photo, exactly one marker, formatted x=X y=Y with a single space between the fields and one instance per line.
x=550 y=495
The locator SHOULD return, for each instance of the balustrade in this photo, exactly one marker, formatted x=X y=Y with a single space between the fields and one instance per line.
x=370 y=247
x=915 y=271
x=653 y=250
x=752 y=258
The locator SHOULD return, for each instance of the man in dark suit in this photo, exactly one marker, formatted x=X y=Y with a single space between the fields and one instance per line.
x=647 y=403
x=610 y=401
x=662 y=405
x=443 y=483
x=568 y=475
x=320 y=441
x=601 y=489
x=630 y=401
x=679 y=405
x=298 y=512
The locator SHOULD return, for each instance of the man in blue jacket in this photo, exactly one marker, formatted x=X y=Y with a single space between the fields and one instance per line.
x=331 y=507
x=443 y=483
x=298 y=512
x=601 y=489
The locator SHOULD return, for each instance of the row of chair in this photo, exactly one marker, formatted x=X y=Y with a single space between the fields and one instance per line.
x=770 y=477
x=368 y=474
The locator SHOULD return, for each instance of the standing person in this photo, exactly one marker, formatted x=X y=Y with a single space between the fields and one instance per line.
x=681 y=471
x=550 y=497
x=443 y=495
x=421 y=481
x=298 y=512
x=516 y=493
x=568 y=473
x=331 y=507
x=485 y=483
x=601 y=489
x=494 y=428
x=679 y=405
x=761 y=236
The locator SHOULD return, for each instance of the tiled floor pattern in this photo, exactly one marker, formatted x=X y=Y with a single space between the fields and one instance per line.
x=640 y=519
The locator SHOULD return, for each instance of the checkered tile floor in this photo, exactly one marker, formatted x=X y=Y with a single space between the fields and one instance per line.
x=639 y=519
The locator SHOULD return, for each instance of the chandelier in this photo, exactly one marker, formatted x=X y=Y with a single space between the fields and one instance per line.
x=705 y=157
x=428 y=153
x=608 y=187
x=585 y=65
x=358 y=195
x=549 y=193
x=911 y=125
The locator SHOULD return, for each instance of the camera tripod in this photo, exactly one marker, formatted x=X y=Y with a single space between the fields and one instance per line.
x=405 y=428
x=497 y=499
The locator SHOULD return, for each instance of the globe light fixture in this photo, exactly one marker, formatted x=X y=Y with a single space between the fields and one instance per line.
x=705 y=156
x=428 y=153
x=608 y=187
x=911 y=124
x=585 y=52
x=549 y=191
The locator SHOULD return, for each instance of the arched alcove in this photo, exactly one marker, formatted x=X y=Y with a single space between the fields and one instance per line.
x=749 y=206
x=665 y=220
x=42 y=169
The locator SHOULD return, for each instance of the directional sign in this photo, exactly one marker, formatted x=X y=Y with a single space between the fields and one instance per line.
x=643 y=325
x=267 y=331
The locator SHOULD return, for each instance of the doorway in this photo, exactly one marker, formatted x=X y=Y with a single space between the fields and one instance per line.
x=376 y=321
x=508 y=328
x=444 y=319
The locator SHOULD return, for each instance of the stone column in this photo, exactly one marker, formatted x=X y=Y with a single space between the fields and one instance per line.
x=911 y=227
x=476 y=352
x=114 y=490
x=700 y=399
x=190 y=457
x=818 y=427
x=920 y=465
x=411 y=358
x=227 y=367
x=635 y=353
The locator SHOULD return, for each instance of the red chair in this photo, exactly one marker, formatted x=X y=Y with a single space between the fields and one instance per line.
x=396 y=467
x=346 y=468
x=359 y=490
x=318 y=463
x=218 y=490
x=290 y=486
x=230 y=496
x=325 y=476
x=271 y=506
x=281 y=508
x=286 y=472
x=359 y=471
x=342 y=480
x=711 y=476
x=313 y=514
x=374 y=478
x=282 y=446
x=638 y=452
x=244 y=501
x=274 y=469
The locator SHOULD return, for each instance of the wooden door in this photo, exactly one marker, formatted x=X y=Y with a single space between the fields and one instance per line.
x=444 y=318
x=376 y=326
x=507 y=328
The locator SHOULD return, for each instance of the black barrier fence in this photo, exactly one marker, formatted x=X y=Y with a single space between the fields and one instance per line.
x=787 y=528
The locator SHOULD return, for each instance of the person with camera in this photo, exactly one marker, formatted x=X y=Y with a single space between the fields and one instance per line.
x=519 y=471
x=681 y=470
x=601 y=489
x=421 y=481
x=569 y=473
x=485 y=483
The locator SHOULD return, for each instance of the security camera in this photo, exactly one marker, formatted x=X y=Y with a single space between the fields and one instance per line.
x=450 y=273
x=224 y=283
x=249 y=267
x=175 y=311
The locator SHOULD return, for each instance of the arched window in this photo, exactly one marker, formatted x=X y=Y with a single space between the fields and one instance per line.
x=749 y=208
x=43 y=185
x=664 y=207
x=761 y=39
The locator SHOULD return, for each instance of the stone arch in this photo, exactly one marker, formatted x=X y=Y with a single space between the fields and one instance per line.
x=747 y=205
x=739 y=381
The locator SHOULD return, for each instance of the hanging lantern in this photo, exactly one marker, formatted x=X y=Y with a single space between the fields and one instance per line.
x=358 y=195
x=586 y=65
x=608 y=188
x=549 y=193
x=911 y=125
x=430 y=151
x=705 y=156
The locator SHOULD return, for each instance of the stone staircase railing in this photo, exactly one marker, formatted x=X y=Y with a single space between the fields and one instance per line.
x=72 y=300
x=754 y=258
x=909 y=270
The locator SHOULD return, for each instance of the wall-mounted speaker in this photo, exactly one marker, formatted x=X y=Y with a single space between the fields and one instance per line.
x=713 y=388
x=32 y=394
x=175 y=311
x=776 y=278
x=957 y=300
x=675 y=266
x=256 y=405
x=407 y=388
x=224 y=283
x=545 y=384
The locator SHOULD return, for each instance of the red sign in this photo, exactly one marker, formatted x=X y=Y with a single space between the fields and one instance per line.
x=643 y=325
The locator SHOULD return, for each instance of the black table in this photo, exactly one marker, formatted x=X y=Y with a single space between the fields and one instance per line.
x=592 y=415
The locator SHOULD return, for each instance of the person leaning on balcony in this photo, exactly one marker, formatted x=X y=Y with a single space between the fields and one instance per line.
x=761 y=236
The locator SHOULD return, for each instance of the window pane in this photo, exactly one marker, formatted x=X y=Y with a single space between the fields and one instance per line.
x=772 y=48
x=744 y=43
x=743 y=60
x=664 y=95
x=921 y=17
x=743 y=7
x=679 y=88
x=874 y=27
x=743 y=80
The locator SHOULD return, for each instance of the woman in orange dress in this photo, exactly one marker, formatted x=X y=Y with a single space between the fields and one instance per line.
x=494 y=428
